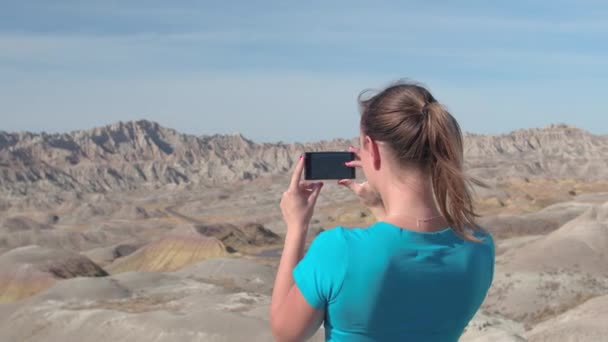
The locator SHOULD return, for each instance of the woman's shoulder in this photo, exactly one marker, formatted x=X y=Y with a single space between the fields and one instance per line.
x=329 y=247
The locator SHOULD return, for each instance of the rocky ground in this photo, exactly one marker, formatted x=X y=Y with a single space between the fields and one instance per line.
x=86 y=258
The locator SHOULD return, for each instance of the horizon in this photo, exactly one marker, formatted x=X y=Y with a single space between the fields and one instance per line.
x=292 y=72
x=135 y=121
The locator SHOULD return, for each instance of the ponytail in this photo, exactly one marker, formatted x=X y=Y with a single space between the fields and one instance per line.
x=423 y=133
x=450 y=184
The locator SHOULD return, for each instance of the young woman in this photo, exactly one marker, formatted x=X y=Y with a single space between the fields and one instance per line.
x=418 y=274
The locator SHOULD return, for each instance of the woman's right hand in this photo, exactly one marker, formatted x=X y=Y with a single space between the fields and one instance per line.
x=368 y=196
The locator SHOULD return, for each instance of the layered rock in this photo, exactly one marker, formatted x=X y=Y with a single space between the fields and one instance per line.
x=132 y=155
x=28 y=270
x=143 y=154
x=237 y=238
x=170 y=253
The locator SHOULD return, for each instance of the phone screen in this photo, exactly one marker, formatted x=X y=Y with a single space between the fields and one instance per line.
x=328 y=165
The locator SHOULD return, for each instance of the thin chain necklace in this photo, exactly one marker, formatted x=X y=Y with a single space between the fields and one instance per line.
x=424 y=219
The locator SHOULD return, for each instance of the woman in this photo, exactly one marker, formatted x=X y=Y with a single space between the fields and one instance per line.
x=418 y=274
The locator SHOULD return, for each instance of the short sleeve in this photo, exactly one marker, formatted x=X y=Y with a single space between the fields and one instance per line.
x=319 y=275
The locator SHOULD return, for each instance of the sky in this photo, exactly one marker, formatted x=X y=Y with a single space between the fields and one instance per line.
x=292 y=70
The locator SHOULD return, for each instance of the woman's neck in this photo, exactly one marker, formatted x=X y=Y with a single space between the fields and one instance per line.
x=410 y=203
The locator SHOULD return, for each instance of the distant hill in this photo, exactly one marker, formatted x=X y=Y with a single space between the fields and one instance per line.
x=579 y=244
x=559 y=151
x=143 y=154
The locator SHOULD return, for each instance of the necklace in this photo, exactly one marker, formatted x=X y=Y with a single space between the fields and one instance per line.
x=424 y=219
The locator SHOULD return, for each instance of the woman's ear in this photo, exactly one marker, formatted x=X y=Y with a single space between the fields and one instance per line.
x=374 y=151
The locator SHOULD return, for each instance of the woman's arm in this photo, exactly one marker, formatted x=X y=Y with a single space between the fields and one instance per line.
x=293 y=251
x=292 y=318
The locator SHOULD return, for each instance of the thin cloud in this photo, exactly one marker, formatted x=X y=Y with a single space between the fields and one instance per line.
x=160 y=49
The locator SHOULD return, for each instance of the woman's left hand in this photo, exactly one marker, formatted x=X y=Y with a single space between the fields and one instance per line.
x=298 y=202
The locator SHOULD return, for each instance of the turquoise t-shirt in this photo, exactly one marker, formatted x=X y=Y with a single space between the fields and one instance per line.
x=384 y=283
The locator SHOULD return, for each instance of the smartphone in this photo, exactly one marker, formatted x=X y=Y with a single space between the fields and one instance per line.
x=328 y=165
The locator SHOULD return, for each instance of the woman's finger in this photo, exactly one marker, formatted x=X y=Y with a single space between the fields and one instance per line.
x=351 y=184
x=353 y=163
x=297 y=174
x=354 y=150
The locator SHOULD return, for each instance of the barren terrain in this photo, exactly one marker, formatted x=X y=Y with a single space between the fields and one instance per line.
x=135 y=232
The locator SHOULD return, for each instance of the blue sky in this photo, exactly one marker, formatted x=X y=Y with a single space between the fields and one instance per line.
x=287 y=70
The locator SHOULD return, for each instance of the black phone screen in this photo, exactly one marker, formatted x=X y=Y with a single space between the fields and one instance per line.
x=328 y=165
